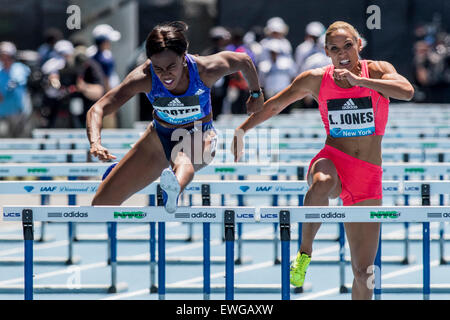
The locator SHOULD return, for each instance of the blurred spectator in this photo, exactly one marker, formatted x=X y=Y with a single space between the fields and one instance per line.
x=431 y=64
x=237 y=91
x=14 y=101
x=73 y=83
x=277 y=72
x=220 y=37
x=318 y=59
x=104 y=35
x=310 y=45
x=46 y=50
x=252 y=39
x=276 y=28
x=237 y=43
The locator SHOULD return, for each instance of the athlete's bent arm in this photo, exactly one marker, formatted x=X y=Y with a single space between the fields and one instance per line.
x=136 y=82
x=297 y=90
x=228 y=62
x=301 y=86
x=386 y=81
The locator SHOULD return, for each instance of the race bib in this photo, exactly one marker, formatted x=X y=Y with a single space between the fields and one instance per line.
x=178 y=110
x=351 y=117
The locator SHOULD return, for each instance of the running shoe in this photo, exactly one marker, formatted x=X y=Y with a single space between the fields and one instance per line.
x=170 y=190
x=298 y=269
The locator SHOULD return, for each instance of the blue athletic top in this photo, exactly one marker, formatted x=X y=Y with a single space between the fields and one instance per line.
x=193 y=105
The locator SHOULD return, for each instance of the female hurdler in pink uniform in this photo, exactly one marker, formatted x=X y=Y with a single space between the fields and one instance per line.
x=353 y=97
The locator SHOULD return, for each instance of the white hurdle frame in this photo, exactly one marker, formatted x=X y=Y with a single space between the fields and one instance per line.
x=283 y=215
x=229 y=187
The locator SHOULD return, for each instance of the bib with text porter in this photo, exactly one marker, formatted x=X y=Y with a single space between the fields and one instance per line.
x=178 y=110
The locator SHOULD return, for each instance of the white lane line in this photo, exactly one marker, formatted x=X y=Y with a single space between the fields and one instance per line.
x=66 y=270
x=411 y=269
x=390 y=275
x=237 y=270
x=89 y=266
x=319 y=294
x=128 y=295
x=140 y=292
x=55 y=244
x=36 y=247
x=318 y=252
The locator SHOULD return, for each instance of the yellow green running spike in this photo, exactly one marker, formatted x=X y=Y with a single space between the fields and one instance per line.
x=298 y=269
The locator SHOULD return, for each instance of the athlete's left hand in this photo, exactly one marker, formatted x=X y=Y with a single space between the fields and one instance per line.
x=237 y=145
x=255 y=105
x=344 y=74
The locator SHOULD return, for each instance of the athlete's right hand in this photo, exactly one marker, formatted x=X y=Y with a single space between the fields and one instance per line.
x=237 y=146
x=97 y=150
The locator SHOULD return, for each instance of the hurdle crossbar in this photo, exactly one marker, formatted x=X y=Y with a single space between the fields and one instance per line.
x=283 y=215
x=226 y=169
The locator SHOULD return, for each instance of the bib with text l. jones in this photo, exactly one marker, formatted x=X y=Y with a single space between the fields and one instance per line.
x=352 y=117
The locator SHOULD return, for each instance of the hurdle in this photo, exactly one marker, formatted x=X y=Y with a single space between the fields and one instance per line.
x=297 y=169
x=245 y=187
x=158 y=214
x=64 y=138
x=229 y=187
x=229 y=217
x=236 y=169
x=392 y=154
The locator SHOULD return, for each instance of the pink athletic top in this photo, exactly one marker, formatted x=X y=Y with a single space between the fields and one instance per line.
x=352 y=112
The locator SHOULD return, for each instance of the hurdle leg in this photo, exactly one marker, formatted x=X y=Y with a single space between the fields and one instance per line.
x=152 y=240
x=206 y=261
x=69 y=260
x=285 y=254
x=342 y=288
x=441 y=230
x=275 y=229
x=299 y=240
x=113 y=254
x=222 y=203
x=229 y=254
x=426 y=260
x=27 y=223
x=377 y=270
x=276 y=240
x=42 y=236
x=71 y=226
x=153 y=287
x=406 y=244
x=190 y=225
x=161 y=260
x=45 y=201
x=406 y=225
x=442 y=244
x=239 y=259
x=425 y=191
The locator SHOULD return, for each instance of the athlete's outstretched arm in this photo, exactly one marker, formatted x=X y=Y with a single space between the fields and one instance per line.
x=386 y=81
x=301 y=86
x=228 y=62
x=297 y=90
x=137 y=81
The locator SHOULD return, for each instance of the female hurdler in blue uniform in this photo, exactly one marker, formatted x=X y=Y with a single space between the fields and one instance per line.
x=181 y=134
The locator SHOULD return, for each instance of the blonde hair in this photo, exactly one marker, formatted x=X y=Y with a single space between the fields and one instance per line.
x=341 y=25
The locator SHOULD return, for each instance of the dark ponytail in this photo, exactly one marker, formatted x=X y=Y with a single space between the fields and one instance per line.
x=167 y=35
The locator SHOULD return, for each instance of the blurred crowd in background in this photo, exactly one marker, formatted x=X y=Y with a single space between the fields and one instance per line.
x=55 y=85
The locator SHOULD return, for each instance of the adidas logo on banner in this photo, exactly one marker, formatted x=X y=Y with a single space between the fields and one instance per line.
x=175 y=103
x=349 y=105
